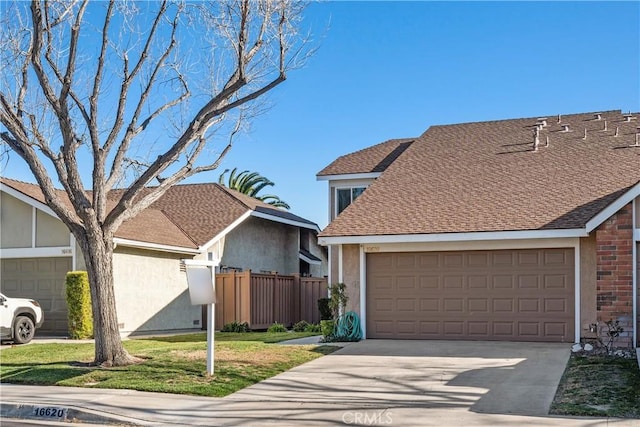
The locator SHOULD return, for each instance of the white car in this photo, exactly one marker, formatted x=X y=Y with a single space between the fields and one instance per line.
x=19 y=319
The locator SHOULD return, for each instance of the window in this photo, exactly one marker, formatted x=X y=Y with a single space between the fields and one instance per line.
x=346 y=196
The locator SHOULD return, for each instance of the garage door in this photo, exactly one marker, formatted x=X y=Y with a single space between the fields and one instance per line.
x=43 y=280
x=514 y=295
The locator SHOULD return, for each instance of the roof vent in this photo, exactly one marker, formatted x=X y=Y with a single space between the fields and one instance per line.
x=547 y=142
x=559 y=118
x=585 y=134
x=542 y=121
x=628 y=117
x=605 y=126
x=617 y=132
x=565 y=128
x=536 y=138
x=597 y=116
x=637 y=144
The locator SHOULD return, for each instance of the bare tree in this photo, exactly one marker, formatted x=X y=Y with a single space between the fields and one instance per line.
x=140 y=94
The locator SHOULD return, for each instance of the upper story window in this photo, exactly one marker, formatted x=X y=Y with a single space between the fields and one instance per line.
x=346 y=196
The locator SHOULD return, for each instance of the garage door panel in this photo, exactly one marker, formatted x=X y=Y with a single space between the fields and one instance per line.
x=430 y=304
x=495 y=295
x=480 y=330
x=555 y=281
x=406 y=282
x=502 y=282
x=42 y=279
x=430 y=282
x=478 y=282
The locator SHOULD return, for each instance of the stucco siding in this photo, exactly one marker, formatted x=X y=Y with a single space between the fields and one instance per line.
x=151 y=292
x=16 y=222
x=351 y=275
x=261 y=245
x=50 y=231
x=588 y=285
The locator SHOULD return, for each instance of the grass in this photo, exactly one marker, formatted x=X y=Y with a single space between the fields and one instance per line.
x=172 y=364
x=601 y=386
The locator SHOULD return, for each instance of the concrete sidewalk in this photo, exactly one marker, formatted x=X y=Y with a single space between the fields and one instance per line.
x=373 y=382
x=126 y=407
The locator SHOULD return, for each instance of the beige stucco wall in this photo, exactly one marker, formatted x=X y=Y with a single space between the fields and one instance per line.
x=50 y=231
x=588 y=289
x=261 y=245
x=333 y=263
x=351 y=275
x=151 y=292
x=16 y=223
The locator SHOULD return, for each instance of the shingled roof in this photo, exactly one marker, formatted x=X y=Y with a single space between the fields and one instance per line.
x=369 y=160
x=480 y=177
x=187 y=216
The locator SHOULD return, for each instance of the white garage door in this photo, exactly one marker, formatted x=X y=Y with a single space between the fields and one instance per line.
x=42 y=279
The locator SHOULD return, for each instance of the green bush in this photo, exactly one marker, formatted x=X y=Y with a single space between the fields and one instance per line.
x=277 y=327
x=236 y=327
x=313 y=327
x=338 y=299
x=79 y=303
x=301 y=326
x=325 y=310
x=326 y=327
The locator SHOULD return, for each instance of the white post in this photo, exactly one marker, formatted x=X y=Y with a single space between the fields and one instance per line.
x=211 y=333
x=201 y=278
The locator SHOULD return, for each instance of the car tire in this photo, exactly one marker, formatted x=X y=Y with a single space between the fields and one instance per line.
x=23 y=330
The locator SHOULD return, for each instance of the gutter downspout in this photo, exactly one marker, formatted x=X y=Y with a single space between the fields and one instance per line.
x=634 y=266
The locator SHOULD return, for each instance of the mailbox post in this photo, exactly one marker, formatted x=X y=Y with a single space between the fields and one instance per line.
x=201 y=278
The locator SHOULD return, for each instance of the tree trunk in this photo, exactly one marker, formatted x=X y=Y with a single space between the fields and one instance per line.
x=98 y=256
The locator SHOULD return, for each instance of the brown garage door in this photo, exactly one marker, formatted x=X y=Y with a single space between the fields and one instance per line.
x=43 y=280
x=514 y=295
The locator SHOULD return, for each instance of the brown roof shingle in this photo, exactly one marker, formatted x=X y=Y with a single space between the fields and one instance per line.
x=187 y=215
x=478 y=177
x=372 y=159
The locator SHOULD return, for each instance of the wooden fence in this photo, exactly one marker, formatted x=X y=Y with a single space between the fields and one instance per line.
x=263 y=299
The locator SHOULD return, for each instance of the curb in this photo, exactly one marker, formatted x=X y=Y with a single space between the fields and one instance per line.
x=67 y=414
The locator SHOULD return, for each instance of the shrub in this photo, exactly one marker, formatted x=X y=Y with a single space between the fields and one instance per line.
x=277 y=327
x=236 y=327
x=79 y=303
x=326 y=327
x=338 y=299
x=313 y=327
x=325 y=311
x=301 y=326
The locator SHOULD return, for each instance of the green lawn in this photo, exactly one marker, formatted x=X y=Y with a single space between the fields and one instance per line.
x=599 y=386
x=172 y=364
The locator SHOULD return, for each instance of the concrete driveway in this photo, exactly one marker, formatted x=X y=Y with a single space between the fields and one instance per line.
x=385 y=375
x=370 y=383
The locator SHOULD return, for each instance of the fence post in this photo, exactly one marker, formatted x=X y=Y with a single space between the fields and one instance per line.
x=296 y=299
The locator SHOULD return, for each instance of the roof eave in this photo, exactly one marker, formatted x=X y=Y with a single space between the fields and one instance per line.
x=453 y=237
x=337 y=177
x=155 y=246
x=614 y=207
x=309 y=260
x=287 y=221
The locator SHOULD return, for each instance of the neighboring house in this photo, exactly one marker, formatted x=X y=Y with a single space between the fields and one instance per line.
x=196 y=221
x=517 y=230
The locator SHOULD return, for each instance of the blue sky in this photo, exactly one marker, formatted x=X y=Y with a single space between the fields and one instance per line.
x=391 y=69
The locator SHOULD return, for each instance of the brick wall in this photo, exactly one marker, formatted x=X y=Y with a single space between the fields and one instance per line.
x=614 y=240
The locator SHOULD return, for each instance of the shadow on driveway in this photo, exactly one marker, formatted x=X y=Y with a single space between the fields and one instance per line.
x=483 y=377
